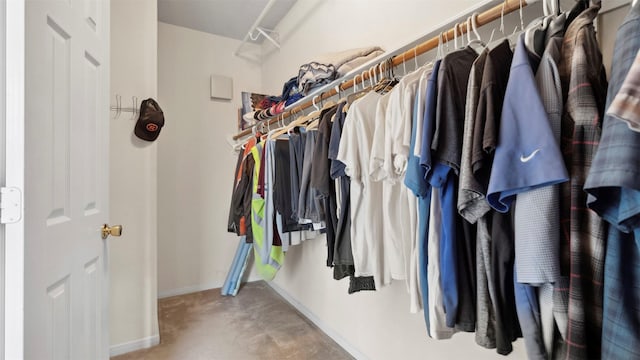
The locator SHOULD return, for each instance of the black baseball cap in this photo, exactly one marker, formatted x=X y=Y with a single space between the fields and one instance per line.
x=150 y=121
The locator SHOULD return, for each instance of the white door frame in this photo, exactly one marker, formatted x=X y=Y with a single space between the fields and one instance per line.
x=14 y=155
x=3 y=99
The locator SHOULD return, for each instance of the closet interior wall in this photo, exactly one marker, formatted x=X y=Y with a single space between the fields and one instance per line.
x=194 y=181
x=374 y=325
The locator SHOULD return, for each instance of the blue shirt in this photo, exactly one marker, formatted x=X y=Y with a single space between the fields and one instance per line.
x=429 y=119
x=414 y=181
x=444 y=178
x=527 y=156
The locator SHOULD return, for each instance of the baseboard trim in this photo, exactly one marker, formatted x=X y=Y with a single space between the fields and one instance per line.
x=197 y=288
x=319 y=323
x=188 y=290
x=134 y=345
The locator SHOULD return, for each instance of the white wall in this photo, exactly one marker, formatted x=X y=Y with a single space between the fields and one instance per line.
x=314 y=27
x=133 y=179
x=376 y=325
x=195 y=168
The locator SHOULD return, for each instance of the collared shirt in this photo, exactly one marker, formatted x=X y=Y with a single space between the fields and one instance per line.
x=626 y=104
x=584 y=84
x=537 y=218
x=527 y=156
x=537 y=215
x=613 y=185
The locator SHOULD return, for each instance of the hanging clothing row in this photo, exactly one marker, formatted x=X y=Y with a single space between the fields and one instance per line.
x=485 y=181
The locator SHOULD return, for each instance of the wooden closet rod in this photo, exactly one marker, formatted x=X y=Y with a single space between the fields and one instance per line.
x=482 y=19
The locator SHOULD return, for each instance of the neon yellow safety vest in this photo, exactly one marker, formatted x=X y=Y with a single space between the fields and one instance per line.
x=267 y=262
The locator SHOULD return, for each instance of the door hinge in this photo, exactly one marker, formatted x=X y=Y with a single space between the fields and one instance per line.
x=10 y=205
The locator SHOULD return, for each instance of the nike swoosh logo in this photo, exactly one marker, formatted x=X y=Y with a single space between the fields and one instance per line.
x=528 y=158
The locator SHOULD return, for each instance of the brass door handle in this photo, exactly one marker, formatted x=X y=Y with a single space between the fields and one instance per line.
x=107 y=230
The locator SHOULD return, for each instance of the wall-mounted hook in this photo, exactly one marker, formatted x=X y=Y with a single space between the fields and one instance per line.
x=134 y=106
x=118 y=105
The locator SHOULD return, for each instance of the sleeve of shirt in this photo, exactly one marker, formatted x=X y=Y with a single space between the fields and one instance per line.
x=402 y=146
x=420 y=95
x=337 y=167
x=348 y=149
x=613 y=181
x=320 y=170
x=626 y=105
x=430 y=104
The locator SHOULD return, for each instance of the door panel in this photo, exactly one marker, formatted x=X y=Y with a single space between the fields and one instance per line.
x=92 y=95
x=59 y=320
x=57 y=57
x=93 y=304
x=66 y=168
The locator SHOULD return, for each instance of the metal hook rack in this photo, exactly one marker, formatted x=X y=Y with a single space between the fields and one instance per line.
x=134 y=109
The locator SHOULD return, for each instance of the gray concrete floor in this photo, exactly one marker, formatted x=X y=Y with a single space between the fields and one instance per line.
x=256 y=324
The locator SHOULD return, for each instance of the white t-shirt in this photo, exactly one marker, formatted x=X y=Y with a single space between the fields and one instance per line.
x=399 y=204
x=400 y=155
x=424 y=79
x=414 y=275
x=366 y=196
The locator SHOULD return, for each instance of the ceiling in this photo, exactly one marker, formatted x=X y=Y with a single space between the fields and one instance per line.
x=229 y=18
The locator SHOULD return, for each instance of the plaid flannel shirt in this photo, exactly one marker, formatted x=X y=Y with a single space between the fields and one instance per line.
x=613 y=185
x=584 y=87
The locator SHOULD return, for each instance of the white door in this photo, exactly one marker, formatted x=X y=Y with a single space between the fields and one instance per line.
x=66 y=179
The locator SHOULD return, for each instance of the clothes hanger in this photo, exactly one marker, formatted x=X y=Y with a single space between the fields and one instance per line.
x=511 y=38
x=535 y=34
x=404 y=65
x=306 y=118
x=329 y=104
x=455 y=37
x=356 y=94
x=283 y=129
x=301 y=120
x=315 y=121
x=472 y=25
x=440 y=51
x=446 y=43
x=388 y=82
x=459 y=29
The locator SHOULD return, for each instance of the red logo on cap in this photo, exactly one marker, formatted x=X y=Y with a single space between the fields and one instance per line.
x=152 y=127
